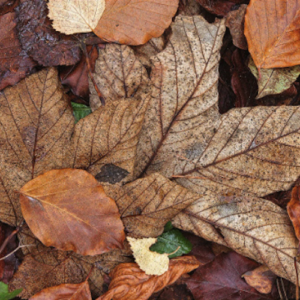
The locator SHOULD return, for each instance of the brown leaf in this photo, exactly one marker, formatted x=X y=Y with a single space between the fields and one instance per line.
x=221 y=279
x=273 y=38
x=7 y=6
x=45 y=45
x=119 y=75
x=80 y=291
x=219 y=7
x=147 y=204
x=14 y=63
x=235 y=22
x=293 y=209
x=135 y=22
x=261 y=278
x=174 y=292
x=37 y=134
x=69 y=210
x=130 y=283
x=51 y=268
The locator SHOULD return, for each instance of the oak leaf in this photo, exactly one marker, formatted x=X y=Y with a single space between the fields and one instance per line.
x=80 y=291
x=272 y=32
x=135 y=22
x=69 y=210
x=75 y=16
x=130 y=283
x=152 y=263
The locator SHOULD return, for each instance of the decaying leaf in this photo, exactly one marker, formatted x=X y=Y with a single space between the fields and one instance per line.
x=261 y=278
x=130 y=283
x=272 y=32
x=40 y=136
x=135 y=22
x=119 y=75
x=14 y=63
x=235 y=22
x=147 y=204
x=221 y=279
x=80 y=291
x=75 y=16
x=293 y=209
x=69 y=210
x=45 y=45
x=274 y=81
x=152 y=263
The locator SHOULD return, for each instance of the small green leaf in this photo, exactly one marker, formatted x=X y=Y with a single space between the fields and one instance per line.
x=80 y=111
x=169 y=241
x=5 y=294
x=168 y=226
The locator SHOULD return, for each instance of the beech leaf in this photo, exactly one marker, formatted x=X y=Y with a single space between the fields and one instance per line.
x=274 y=81
x=69 y=210
x=129 y=282
x=80 y=291
x=75 y=16
x=273 y=38
x=152 y=263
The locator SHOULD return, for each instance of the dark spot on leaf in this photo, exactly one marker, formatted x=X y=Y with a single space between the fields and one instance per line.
x=111 y=174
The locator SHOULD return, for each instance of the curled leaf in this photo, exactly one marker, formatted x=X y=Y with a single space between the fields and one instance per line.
x=69 y=210
x=129 y=282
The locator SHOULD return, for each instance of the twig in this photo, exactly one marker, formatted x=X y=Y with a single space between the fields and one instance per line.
x=19 y=247
x=8 y=239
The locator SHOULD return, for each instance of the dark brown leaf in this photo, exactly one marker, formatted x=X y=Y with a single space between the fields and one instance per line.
x=220 y=7
x=45 y=45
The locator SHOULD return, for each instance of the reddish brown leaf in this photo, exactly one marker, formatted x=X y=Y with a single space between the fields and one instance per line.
x=45 y=45
x=7 y=6
x=14 y=63
x=130 y=283
x=293 y=209
x=273 y=34
x=69 y=210
x=261 y=278
x=79 y=291
x=221 y=279
x=174 y=292
x=219 y=7
x=135 y=22
x=235 y=22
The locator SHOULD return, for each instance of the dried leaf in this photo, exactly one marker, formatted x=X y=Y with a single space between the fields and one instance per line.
x=80 y=291
x=69 y=210
x=130 y=283
x=235 y=22
x=40 y=136
x=75 y=16
x=261 y=278
x=293 y=208
x=135 y=22
x=273 y=38
x=119 y=75
x=219 y=7
x=221 y=279
x=14 y=63
x=274 y=81
x=152 y=263
x=45 y=45
x=147 y=204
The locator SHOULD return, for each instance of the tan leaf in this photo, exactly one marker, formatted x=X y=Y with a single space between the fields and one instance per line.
x=37 y=134
x=75 y=16
x=147 y=204
x=119 y=75
x=135 y=22
x=79 y=291
x=129 y=282
x=274 y=81
x=152 y=263
x=251 y=226
x=272 y=32
x=69 y=210
x=54 y=268
x=261 y=278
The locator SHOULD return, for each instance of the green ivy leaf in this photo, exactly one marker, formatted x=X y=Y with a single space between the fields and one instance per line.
x=80 y=111
x=169 y=241
x=5 y=294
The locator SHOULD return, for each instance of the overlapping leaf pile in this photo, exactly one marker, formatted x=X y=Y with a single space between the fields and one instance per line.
x=162 y=152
